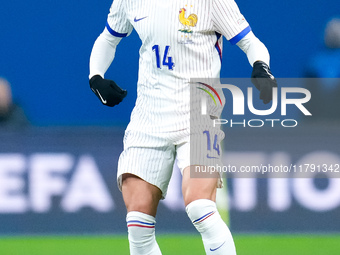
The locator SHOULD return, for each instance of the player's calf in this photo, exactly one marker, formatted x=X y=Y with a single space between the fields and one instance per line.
x=215 y=234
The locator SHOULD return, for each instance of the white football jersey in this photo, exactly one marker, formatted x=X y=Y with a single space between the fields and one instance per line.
x=181 y=40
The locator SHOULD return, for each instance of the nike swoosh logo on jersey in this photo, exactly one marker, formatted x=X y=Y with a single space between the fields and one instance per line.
x=136 y=20
x=101 y=98
x=217 y=247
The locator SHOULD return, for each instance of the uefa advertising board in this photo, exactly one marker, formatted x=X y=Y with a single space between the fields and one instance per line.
x=63 y=180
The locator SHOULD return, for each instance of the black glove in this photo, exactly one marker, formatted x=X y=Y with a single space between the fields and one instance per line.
x=108 y=92
x=264 y=80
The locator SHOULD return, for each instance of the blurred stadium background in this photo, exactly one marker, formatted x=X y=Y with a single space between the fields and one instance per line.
x=58 y=191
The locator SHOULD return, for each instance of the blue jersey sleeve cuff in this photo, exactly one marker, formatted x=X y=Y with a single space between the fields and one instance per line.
x=240 y=36
x=114 y=33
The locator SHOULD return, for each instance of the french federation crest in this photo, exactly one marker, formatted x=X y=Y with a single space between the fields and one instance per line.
x=188 y=23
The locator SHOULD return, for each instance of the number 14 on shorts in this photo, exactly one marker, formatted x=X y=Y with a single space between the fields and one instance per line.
x=215 y=147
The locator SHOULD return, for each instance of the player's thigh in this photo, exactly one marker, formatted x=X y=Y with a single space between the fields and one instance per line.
x=140 y=195
x=198 y=187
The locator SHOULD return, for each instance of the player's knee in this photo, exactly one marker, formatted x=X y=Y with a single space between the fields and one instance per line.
x=192 y=193
x=191 y=196
x=140 y=206
x=198 y=188
x=142 y=202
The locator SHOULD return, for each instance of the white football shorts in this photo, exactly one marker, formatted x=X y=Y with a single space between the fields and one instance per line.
x=151 y=156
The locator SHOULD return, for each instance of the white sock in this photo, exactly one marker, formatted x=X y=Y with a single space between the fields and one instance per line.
x=215 y=234
x=141 y=229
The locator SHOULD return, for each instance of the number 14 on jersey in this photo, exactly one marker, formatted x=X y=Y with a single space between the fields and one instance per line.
x=167 y=60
